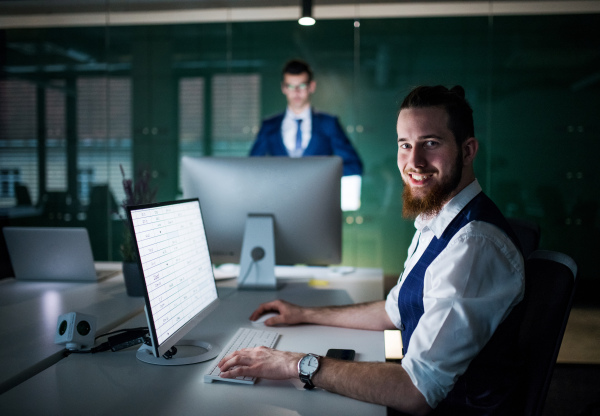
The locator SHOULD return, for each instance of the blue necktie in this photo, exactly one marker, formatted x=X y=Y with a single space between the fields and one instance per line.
x=298 y=151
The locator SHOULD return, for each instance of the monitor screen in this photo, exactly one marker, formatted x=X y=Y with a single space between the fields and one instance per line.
x=177 y=269
x=301 y=196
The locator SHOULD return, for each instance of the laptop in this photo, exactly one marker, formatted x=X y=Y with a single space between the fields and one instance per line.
x=52 y=254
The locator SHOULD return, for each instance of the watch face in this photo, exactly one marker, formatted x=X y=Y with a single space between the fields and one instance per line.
x=309 y=364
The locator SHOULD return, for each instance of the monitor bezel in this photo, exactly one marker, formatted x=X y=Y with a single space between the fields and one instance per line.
x=159 y=349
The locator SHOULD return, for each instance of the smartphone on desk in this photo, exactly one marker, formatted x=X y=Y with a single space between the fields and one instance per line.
x=341 y=354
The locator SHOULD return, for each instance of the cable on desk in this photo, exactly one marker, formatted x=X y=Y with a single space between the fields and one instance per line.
x=120 y=339
x=247 y=273
x=241 y=282
x=118 y=331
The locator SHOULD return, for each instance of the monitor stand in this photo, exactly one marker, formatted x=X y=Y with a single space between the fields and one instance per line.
x=188 y=352
x=257 y=259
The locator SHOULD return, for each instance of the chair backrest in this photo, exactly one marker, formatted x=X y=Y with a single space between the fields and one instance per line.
x=528 y=233
x=102 y=201
x=549 y=289
x=22 y=195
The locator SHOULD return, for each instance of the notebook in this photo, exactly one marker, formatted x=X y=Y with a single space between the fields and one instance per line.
x=52 y=254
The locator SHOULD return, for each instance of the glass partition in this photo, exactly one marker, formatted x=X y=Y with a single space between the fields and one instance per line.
x=78 y=103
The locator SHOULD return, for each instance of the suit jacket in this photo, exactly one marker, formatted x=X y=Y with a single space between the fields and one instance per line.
x=327 y=139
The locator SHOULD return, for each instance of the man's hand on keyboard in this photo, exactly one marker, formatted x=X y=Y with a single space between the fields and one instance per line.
x=261 y=362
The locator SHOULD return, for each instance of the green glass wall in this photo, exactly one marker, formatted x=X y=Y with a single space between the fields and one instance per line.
x=533 y=82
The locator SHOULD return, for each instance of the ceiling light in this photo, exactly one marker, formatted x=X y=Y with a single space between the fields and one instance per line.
x=306 y=19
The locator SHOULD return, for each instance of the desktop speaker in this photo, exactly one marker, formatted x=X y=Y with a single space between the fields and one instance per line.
x=75 y=330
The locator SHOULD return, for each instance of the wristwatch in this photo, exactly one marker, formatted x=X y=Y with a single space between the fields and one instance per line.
x=307 y=368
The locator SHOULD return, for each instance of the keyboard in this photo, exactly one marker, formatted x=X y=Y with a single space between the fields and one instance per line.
x=243 y=338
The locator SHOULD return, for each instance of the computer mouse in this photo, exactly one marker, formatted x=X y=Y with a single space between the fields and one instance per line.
x=261 y=320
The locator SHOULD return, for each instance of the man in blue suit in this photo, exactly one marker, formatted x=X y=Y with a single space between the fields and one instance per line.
x=301 y=131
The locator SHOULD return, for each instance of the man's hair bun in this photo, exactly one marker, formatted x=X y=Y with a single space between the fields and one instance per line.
x=458 y=90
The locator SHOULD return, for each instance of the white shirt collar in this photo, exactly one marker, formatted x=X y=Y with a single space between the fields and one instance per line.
x=303 y=115
x=439 y=223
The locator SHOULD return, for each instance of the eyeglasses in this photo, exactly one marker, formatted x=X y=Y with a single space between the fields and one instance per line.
x=292 y=87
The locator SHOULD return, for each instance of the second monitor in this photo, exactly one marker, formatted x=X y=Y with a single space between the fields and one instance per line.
x=263 y=211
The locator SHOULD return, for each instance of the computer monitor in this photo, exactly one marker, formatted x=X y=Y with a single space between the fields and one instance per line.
x=180 y=288
x=263 y=211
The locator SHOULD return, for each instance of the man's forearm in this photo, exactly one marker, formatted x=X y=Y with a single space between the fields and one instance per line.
x=371 y=315
x=387 y=384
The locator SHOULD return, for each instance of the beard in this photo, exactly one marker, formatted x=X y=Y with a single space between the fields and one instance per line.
x=430 y=204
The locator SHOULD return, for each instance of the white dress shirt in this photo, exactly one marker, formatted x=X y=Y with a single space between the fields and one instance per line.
x=468 y=290
x=289 y=128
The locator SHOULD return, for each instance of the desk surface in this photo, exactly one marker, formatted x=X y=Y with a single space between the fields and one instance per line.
x=117 y=383
x=29 y=312
x=362 y=284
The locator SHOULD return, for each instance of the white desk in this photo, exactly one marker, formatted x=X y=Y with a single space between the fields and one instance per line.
x=117 y=383
x=29 y=312
x=362 y=284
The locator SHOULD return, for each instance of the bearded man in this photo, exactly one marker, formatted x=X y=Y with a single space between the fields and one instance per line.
x=457 y=300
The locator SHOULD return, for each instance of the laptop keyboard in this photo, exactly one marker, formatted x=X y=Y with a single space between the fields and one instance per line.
x=105 y=274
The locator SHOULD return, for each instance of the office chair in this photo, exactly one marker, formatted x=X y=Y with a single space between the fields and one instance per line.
x=549 y=289
x=98 y=219
x=102 y=203
x=528 y=233
x=22 y=195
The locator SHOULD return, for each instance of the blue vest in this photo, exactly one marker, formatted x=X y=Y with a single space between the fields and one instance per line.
x=486 y=386
x=410 y=298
